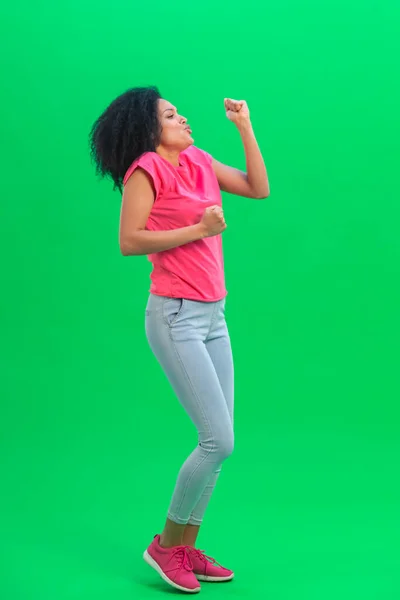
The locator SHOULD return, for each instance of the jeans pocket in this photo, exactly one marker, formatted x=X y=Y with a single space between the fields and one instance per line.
x=172 y=309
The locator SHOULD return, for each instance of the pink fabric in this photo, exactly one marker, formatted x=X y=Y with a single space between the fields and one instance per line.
x=173 y=564
x=206 y=568
x=194 y=271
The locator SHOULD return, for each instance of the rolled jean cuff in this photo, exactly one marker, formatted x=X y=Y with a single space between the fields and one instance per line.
x=177 y=520
x=193 y=521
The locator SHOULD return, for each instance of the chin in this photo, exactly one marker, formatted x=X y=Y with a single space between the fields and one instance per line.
x=186 y=145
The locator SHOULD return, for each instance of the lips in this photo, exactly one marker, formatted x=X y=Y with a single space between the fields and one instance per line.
x=188 y=129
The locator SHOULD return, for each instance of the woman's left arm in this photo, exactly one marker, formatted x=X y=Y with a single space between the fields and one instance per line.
x=254 y=183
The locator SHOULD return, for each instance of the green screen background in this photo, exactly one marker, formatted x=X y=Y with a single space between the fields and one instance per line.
x=91 y=435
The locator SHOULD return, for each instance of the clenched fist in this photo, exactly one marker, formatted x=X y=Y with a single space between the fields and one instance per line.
x=213 y=221
x=237 y=111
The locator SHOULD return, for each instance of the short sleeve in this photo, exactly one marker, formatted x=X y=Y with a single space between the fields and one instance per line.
x=147 y=163
x=199 y=155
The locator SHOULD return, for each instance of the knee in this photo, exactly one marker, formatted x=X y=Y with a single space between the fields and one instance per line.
x=225 y=448
x=221 y=447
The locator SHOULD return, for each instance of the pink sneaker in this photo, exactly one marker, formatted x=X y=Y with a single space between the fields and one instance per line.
x=173 y=564
x=206 y=568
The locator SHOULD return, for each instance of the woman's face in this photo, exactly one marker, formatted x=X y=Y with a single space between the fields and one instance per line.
x=175 y=132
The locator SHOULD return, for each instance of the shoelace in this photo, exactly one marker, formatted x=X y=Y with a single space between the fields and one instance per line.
x=201 y=554
x=181 y=553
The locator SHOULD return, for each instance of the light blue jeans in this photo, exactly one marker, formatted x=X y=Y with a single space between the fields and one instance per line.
x=191 y=342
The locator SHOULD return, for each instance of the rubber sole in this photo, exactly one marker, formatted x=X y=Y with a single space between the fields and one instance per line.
x=150 y=561
x=214 y=579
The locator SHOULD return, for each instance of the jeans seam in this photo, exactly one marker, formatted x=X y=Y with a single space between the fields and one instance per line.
x=169 y=325
x=213 y=319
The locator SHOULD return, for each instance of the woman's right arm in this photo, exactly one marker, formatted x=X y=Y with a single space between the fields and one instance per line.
x=137 y=202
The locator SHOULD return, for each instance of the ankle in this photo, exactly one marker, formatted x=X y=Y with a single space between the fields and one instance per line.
x=167 y=543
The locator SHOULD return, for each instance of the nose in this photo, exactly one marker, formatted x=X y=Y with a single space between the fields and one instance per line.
x=183 y=119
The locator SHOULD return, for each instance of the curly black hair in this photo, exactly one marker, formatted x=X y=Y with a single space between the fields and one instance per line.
x=127 y=128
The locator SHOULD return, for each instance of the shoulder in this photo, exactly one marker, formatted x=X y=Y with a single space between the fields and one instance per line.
x=149 y=162
x=196 y=155
x=148 y=159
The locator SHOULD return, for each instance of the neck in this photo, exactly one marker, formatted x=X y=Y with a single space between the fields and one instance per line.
x=171 y=156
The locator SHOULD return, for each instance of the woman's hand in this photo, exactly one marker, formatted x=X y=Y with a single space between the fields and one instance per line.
x=213 y=222
x=237 y=111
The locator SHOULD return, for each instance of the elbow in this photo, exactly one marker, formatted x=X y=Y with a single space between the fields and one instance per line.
x=127 y=248
x=262 y=195
x=130 y=244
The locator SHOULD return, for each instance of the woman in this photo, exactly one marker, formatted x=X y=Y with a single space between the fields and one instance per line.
x=172 y=212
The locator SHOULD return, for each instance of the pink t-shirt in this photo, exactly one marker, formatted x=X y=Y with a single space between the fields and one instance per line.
x=194 y=271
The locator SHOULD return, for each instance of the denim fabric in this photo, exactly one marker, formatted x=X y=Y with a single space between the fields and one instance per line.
x=191 y=342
